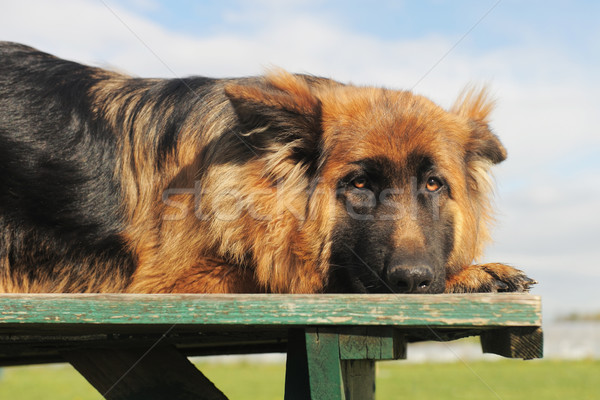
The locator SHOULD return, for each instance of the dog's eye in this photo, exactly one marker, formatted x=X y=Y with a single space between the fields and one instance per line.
x=360 y=182
x=433 y=184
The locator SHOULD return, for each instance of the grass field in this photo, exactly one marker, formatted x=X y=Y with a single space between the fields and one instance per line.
x=506 y=379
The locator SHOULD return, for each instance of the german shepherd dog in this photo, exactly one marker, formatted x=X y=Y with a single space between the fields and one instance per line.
x=282 y=183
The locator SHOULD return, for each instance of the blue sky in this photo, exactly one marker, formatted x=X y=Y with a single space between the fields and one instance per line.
x=568 y=24
x=540 y=58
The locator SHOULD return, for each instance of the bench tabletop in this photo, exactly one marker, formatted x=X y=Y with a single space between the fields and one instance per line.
x=38 y=328
x=453 y=310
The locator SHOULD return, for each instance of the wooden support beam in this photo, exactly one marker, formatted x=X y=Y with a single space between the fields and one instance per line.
x=371 y=343
x=338 y=363
x=142 y=374
x=297 y=382
x=359 y=379
x=324 y=367
x=514 y=342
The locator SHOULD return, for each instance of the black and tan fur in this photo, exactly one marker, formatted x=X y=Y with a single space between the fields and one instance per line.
x=280 y=183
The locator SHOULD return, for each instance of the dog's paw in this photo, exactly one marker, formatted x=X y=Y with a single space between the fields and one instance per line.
x=492 y=277
x=508 y=279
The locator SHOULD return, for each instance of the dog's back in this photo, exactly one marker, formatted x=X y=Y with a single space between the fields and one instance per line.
x=59 y=197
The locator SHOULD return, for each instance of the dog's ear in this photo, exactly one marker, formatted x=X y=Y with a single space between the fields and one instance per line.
x=483 y=144
x=279 y=110
x=475 y=105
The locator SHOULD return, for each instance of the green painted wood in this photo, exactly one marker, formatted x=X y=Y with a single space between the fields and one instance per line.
x=359 y=379
x=372 y=343
x=314 y=364
x=324 y=367
x=469 y=310
x=340 y=335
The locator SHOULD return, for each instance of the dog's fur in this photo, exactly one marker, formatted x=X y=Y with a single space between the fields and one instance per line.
x=281 y=183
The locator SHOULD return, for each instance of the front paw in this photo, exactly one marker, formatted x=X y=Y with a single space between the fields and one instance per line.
x=491 y=277
x=508 y=279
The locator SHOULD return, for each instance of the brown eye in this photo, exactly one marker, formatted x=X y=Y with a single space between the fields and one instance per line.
x=360 y=182
x=433 y=184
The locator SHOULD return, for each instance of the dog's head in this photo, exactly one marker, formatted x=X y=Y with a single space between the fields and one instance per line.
x=396 y=188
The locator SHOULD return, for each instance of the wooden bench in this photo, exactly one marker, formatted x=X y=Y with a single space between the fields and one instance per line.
x=135 y=346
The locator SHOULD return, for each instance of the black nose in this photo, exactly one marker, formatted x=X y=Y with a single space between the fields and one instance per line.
x=410 y=278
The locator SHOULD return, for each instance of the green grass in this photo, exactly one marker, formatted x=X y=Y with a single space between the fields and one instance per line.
x=506 y=379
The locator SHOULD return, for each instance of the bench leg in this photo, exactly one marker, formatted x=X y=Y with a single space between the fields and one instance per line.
x=324 y=366
x=315 y=371
x=297 y=383
x=359 y=379
x=161 y=373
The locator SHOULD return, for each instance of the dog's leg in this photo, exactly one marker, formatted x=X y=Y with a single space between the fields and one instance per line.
x=491 y=277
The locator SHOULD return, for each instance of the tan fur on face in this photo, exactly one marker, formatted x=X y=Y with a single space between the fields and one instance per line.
x=365 y=122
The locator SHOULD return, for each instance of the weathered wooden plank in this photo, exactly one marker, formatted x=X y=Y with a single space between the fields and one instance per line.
x=500 y=309
x=142 y=374
x=34 y=343
x=517 y=342
x=372 y=343
x=324 y=366
x=359 y=379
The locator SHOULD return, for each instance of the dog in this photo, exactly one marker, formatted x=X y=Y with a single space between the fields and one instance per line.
x=283 y=183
